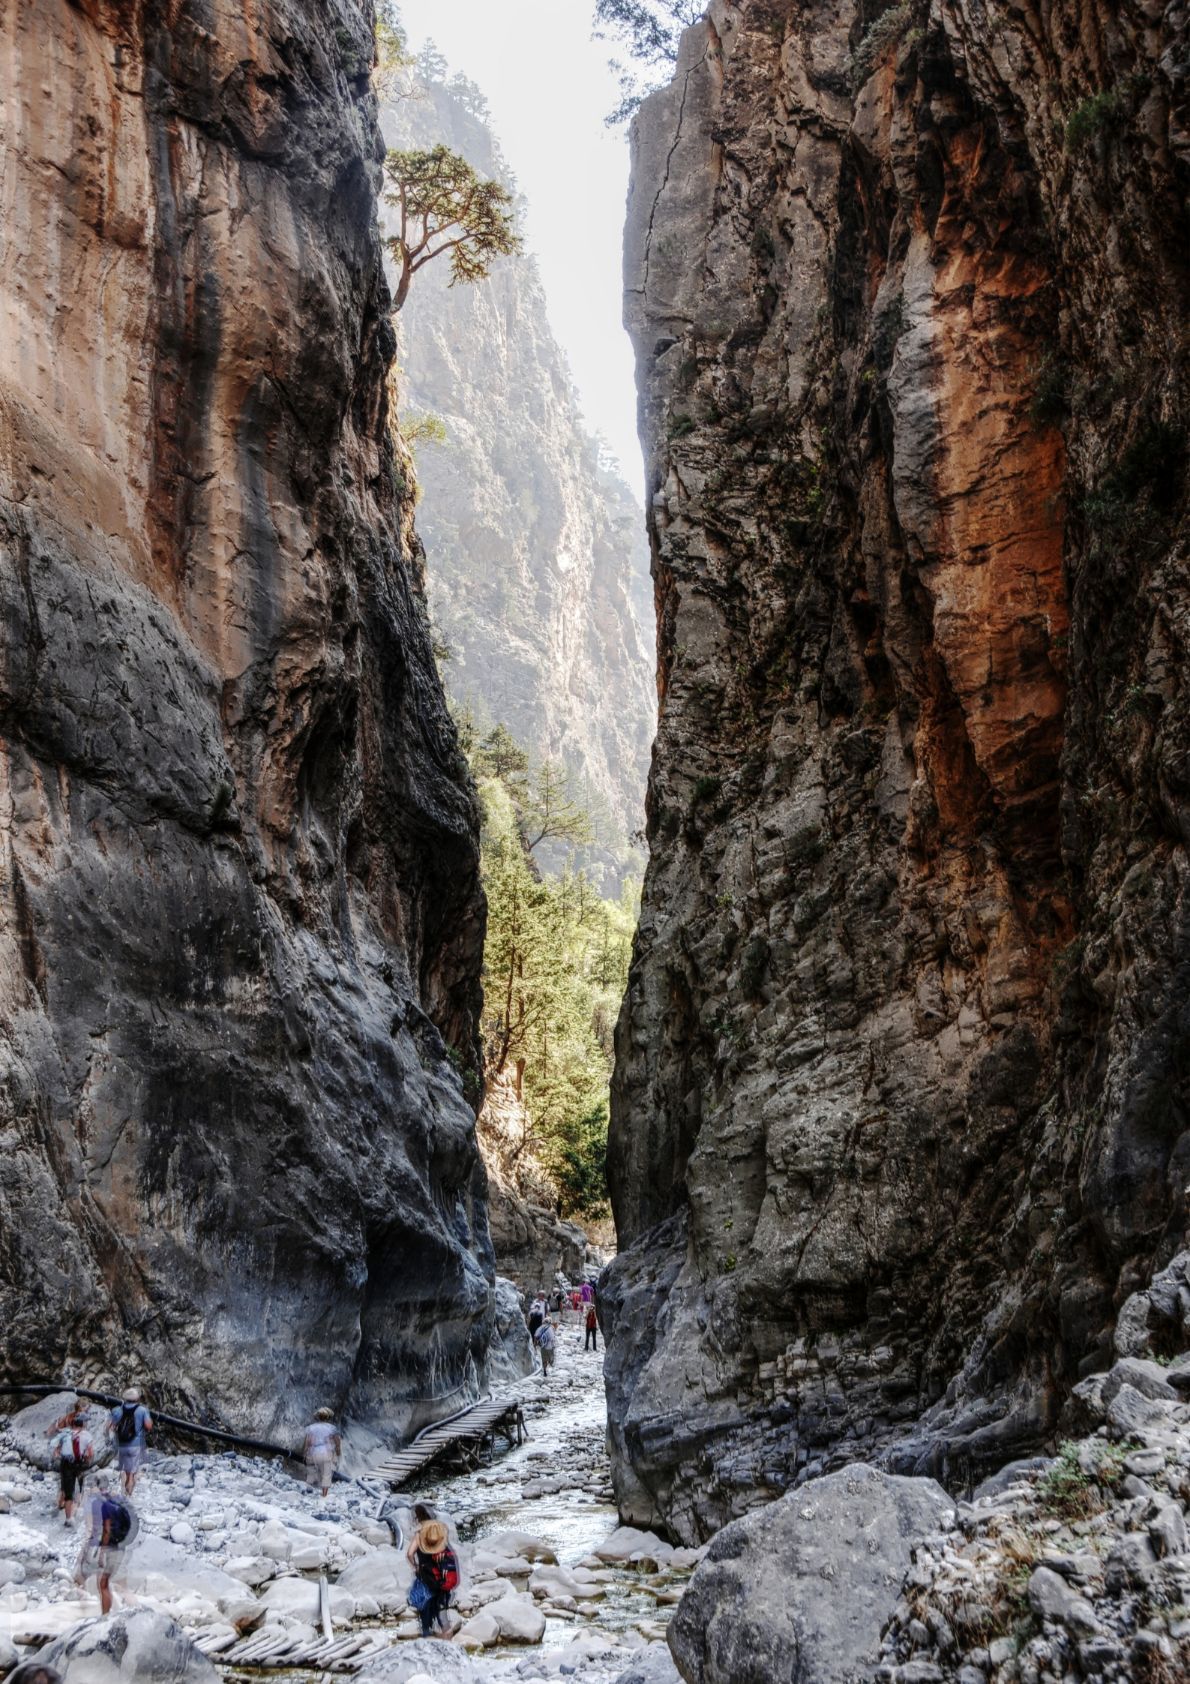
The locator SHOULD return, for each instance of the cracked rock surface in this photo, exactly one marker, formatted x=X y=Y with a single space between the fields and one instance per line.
x=899 y=1112
x=239 y=911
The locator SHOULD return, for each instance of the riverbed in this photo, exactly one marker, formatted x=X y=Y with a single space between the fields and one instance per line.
x=231 y=1536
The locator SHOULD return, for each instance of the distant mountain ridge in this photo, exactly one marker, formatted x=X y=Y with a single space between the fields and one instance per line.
x=537 y=563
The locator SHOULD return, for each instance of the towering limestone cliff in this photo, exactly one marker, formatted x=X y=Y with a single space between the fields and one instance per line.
x=900 y=1113
x=538 y=575
x=241 y=923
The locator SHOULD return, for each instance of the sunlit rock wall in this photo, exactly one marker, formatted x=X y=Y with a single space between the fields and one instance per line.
x=239 y=912
x=538 y=566
x=900 y=1110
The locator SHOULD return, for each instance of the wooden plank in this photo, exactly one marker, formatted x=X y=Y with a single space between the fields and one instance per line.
x=324 y=1608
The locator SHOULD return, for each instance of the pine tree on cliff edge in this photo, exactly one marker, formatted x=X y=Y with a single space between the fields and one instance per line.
x=442 y=206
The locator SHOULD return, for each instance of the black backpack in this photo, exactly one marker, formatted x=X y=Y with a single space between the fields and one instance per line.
x=126 y=1425
x=119 y=1520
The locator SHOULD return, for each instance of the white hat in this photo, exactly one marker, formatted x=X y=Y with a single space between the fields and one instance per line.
x=132 y=1395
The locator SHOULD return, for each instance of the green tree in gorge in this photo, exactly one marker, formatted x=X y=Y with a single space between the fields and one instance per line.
x=647 y=32
x=443 y=206
x=392 y=50
x=555 y=968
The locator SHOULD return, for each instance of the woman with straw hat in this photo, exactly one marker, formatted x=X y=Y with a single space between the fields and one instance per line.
x=436 y=1575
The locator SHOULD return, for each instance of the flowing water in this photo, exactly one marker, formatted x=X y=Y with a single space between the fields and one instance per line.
x=567 y=1422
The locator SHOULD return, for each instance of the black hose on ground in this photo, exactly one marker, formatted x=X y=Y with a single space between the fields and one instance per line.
x=43 y=1388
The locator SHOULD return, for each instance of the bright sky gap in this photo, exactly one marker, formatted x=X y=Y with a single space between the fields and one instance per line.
x=572 y=170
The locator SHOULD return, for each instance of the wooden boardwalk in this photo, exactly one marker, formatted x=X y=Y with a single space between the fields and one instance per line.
x=270 y=1648
x=466 y=1437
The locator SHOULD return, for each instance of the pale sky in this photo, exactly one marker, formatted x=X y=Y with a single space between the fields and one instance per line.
x=549 y=89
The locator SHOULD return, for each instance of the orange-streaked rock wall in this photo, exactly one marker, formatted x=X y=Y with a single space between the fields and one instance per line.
x=900 y=1108
x=239 y=907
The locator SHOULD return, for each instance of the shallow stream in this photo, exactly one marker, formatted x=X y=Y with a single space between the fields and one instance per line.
x=567 y=1422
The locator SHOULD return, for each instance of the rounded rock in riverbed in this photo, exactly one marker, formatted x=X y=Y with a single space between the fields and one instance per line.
x=132 y=1647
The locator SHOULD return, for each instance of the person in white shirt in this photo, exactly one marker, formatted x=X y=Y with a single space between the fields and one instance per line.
x=322 y=1449
x=73 y=1448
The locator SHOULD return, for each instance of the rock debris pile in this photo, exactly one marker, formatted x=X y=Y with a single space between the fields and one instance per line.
x=1072 y=1568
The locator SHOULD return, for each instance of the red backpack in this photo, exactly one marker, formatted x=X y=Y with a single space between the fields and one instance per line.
x=443 y=1572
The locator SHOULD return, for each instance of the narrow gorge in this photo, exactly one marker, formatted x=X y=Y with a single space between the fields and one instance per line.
x=347 y=689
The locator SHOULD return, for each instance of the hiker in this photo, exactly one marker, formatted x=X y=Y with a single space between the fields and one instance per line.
x=591 y=1343
x=587 y=1293
x=536 y=1314
x=545 y=1342
x=113 y=1527
x=322 y=1449
x=73 y=1448
x=130 y=1421
x=436 y=1576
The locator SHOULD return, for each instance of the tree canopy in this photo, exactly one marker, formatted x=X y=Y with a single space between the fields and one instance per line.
x=442 y=206
x=555 y=969
x=648 y=33
x=392 y=49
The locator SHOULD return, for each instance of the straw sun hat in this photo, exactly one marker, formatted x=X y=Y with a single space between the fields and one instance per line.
x=433 y=1536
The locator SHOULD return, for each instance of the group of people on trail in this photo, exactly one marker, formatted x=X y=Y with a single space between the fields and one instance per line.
x=112 y=1519
x=112 y=1522
x=543 y=1328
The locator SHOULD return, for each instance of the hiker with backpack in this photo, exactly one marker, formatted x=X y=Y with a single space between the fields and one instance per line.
x=113 y=1528
x=73 y=1448
x=130 y=1421
x=591 y=1343
x=435 y=1576
x=545 y=1341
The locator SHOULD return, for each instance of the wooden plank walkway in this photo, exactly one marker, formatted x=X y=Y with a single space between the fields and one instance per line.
x=270 y=1648
x=467 y=1433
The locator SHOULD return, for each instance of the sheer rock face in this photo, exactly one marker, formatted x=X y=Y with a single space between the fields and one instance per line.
x=900 y=1105
x=538 y=573
x=240 y=911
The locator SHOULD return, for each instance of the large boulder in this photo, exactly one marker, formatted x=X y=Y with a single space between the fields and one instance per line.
x=518 y=1618
x=519 y=1544
x=298 y=1599
x=136 y=1647
x=29 y=1429
x=424 y=1657
x=510 y=1355
x=653 y=1666
x=383 y=1574
x=800 y=1590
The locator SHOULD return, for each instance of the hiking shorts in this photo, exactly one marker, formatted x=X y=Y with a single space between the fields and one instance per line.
x=547 y=1358
x=102 y=1560
x=129 y=1457
x=71 y=1475
x=322 y=1470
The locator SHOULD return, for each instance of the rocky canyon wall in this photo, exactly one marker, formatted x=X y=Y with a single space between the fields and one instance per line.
x=538 y=575
x=900 y=1111
x=240 y=916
